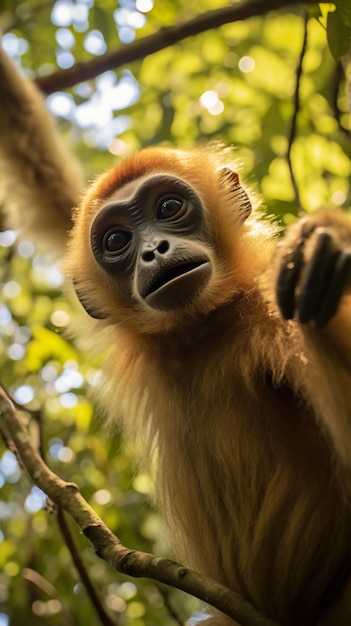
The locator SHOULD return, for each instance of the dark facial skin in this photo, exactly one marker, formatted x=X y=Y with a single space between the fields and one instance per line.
x=153 y=240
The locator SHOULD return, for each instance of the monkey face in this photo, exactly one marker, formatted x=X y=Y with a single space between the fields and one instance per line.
x=152 y=234
x=156 y=237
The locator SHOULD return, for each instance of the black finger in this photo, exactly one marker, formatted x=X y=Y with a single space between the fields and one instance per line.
x=316 y=276
x=340 y=280
x=287 y=280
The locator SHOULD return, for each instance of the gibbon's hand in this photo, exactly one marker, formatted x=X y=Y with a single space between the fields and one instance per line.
x=311 y=289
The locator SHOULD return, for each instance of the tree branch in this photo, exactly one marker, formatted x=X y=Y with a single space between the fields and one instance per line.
x=104 y=617
x=296 y=101
x=165 y=37
x=107 y=545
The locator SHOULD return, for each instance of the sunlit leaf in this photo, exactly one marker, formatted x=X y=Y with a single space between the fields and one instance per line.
x=338 y=34
x=344 y=8
x=47 y=344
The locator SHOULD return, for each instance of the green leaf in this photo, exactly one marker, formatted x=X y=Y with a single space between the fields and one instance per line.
x=338 y=35
x=344 y=8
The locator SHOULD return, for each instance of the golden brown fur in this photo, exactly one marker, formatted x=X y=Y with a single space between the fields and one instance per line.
x=247 y=411
x=249 y=414
x=40 y=180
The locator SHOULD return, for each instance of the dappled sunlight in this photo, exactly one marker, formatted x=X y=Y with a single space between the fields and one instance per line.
x=234 y=84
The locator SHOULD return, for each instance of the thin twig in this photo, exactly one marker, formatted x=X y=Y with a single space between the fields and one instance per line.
x=84 y=576
x=36 y=417
x=296 y=101
x=66 y=533
x=164 y=591
x=108 y=546
x=37 y=583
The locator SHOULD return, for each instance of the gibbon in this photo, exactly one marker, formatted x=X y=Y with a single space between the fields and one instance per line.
x=229 y=355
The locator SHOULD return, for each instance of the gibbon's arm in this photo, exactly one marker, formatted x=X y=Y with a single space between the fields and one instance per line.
x=313 y=285
x=40 y=180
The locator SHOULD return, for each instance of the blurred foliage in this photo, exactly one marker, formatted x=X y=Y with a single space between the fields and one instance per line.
x=339 y=28
x=235 y=84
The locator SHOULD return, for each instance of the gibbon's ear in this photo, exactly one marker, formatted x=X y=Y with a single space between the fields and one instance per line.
x=237 y=192
x=89 y=308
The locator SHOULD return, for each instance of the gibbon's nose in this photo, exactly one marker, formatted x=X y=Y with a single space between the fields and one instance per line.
x=152 y=250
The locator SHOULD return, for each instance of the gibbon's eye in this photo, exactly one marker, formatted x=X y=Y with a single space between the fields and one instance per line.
x=116 y=242
x=171 y=209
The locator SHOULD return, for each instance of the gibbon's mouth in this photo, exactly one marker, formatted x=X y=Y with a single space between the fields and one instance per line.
x=176 y=285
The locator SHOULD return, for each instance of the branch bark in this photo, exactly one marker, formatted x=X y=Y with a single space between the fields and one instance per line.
x=107 y=546
x=165 y=37
x=293 y=125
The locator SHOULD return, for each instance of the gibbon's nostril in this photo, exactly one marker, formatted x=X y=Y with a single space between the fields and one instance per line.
x=163 y=247
x=148 y=256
